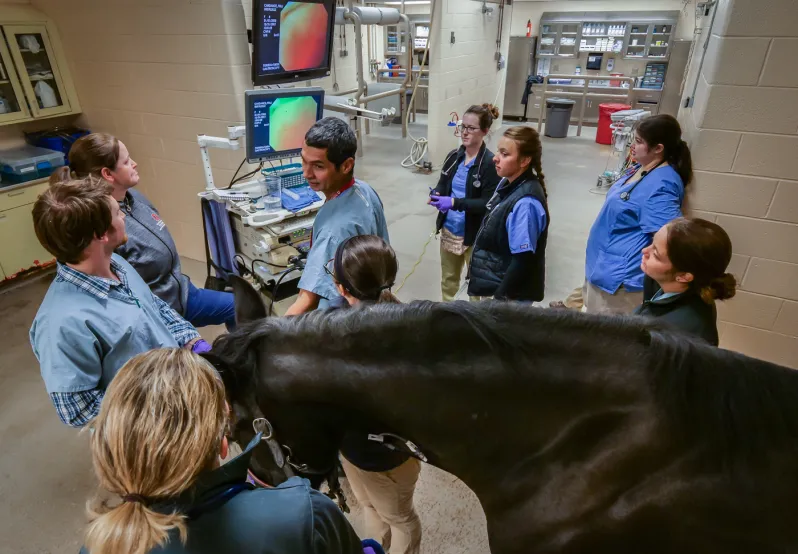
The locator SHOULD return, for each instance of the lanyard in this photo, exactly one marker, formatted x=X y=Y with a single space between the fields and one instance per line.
x=626 y=194
x=343 y=190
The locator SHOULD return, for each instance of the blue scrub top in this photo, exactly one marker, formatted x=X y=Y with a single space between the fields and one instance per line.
x=624 y=227
x=524 y=225
x=358 y=211
x=455 y=220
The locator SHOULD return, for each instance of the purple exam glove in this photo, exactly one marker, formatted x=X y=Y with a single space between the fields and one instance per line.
x=200 y=347
x=442 y=203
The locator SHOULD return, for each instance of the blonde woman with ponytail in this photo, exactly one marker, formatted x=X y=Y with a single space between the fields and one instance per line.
x=687 y=260
x=157 y=443
x=509 y=259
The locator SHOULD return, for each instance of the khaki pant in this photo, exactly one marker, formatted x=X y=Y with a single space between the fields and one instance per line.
x=452 y=271
x=575 y=300
x=598 y=301
x=387 y=500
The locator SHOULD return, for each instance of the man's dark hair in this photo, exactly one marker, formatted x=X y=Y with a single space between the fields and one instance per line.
x=335 y=136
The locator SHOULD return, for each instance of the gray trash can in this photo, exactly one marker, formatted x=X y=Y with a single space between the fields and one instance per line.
x=558 y=117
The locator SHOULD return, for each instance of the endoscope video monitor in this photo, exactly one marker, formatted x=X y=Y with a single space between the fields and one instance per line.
x=277 y=120
x=291 y=40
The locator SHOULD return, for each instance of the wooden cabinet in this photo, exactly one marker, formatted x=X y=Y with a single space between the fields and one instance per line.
x=19 y=247
x=34 y=77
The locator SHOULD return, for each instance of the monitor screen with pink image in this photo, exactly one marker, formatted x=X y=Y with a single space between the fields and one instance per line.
x=291 y=40
x=277 y=120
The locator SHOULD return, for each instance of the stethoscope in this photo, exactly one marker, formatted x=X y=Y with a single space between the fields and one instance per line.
x=625 y=195
x=477 y=182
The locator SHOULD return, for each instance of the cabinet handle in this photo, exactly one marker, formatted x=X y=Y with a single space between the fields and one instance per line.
x=18 y=193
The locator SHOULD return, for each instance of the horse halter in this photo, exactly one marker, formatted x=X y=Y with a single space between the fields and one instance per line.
x=284 y=461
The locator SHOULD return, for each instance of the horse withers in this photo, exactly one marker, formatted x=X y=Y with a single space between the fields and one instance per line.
x=578 y=433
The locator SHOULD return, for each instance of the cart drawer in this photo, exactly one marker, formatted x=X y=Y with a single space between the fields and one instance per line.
x=20 y=196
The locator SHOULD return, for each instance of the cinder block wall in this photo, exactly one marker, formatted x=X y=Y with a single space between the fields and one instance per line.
x=743 y=132
x=465 y=72
x=156 y=74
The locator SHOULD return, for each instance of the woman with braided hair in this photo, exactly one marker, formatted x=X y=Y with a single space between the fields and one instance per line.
x=509 y=259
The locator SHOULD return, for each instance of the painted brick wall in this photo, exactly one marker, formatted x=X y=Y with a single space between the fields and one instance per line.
x=156 y=73
x=743 y=132
x=463 y=73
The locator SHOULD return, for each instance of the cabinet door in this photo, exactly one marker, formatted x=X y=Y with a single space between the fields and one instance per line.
x=13 y=107
x=20 y=249
x=35 y=60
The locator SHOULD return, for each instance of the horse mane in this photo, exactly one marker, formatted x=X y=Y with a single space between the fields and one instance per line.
x=742 y=409
x=739 y=407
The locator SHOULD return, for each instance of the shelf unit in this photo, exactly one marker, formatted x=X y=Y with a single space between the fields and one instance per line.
x=569 y=34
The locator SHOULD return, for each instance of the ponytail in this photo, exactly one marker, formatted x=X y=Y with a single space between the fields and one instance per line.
x=682 y=161
x=387 y=297
x=541 y=179
x=61 y=175
x=720 y=288
x=131 y=527
x=144 y=457
x=665 y=130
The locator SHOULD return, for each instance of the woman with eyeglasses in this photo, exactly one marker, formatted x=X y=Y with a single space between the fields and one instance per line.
x=468 y=180
x=383 y=481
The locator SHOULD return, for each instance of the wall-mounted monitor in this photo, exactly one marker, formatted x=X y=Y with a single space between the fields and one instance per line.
x=277 y=120
x=291 y=40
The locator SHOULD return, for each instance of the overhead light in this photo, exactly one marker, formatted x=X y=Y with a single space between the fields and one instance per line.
x=408 y=3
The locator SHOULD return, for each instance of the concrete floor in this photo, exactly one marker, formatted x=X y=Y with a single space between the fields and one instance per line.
x=45 y=470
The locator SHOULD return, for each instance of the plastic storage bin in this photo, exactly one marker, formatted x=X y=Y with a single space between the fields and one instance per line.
x=60 y=140
x=28 y=163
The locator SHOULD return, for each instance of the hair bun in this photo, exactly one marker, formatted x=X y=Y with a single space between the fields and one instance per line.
x=721 y=288
x=494 y=111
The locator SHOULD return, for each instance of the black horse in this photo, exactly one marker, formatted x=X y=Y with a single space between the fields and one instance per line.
x=579 y=434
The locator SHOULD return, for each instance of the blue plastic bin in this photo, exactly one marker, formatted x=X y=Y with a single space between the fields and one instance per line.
x=28 y=163
x=60 y=140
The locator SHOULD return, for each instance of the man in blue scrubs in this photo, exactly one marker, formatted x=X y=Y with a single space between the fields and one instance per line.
x=98 y=312
x=352 y=207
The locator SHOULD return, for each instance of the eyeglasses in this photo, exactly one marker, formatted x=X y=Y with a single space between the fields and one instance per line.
x=329 y=269
x=468 y=129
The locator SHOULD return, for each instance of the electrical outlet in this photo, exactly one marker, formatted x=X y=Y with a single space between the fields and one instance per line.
x=555 y=67
x=635 y=71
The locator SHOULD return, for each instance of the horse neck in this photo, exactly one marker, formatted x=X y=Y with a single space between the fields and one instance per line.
x=476 y=420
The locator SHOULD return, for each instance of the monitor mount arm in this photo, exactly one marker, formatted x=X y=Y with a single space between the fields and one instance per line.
x=234 y=132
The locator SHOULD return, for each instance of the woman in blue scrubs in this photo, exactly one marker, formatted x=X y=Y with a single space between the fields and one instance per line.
x=644 y=199
x=509 y=259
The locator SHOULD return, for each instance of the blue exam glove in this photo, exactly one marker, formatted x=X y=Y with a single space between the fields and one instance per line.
x=442 y=203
